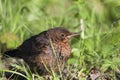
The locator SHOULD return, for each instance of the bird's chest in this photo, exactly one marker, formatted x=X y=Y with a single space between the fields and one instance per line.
x=62 y=50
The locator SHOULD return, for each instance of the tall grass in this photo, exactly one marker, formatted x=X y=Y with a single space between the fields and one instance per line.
x=99 y=45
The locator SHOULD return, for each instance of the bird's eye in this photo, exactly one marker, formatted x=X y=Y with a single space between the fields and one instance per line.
x=63 y=35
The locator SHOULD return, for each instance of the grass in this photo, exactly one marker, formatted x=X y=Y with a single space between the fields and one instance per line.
x=97 y=20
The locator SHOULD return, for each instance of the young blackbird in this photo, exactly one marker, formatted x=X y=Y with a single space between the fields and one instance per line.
x=48 y=50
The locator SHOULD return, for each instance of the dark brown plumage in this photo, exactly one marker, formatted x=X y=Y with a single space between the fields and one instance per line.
x=50 y=48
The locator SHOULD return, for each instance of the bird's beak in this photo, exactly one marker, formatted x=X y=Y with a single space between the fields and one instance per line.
x=73 y=34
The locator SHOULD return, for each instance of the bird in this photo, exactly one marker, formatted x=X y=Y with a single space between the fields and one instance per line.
x=47 y=50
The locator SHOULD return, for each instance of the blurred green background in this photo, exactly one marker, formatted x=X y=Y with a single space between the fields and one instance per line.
x=97 y=20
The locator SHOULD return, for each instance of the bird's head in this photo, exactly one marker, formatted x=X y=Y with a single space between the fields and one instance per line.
x=60 y=34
